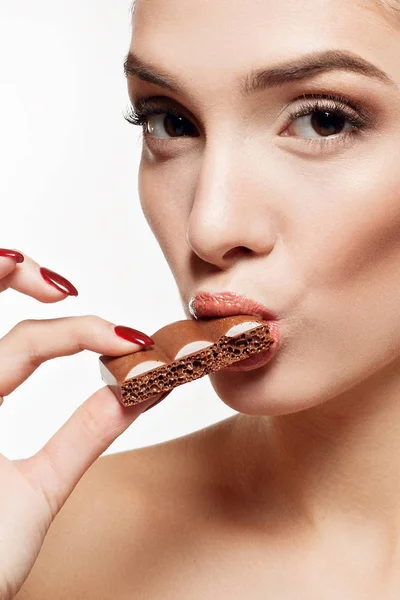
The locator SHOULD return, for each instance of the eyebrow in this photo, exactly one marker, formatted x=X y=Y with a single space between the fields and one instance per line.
x=305 y=67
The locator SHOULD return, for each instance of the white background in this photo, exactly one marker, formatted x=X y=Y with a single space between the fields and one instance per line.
x=69 y=199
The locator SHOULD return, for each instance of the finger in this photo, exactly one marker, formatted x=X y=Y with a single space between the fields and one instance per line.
x=158 y=400
x=33 y=280
x=59 y=465
x=8 y=263
x=30 y=343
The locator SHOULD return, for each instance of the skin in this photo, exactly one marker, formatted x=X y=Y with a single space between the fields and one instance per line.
x=296 y=496
x=36 y=488
x=310 y=230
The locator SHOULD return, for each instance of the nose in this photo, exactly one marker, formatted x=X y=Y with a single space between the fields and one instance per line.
x=230 y=216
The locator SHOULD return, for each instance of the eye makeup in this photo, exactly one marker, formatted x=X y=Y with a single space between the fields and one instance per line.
x=337 y=106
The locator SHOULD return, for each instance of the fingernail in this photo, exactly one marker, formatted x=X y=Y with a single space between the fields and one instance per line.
x=133 y=335
x=12 y=254
x=58 y=281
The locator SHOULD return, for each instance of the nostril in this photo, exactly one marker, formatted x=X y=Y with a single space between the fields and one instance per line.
x=236 y=252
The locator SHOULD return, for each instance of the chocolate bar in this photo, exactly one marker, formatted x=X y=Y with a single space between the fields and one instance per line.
x=183 y=351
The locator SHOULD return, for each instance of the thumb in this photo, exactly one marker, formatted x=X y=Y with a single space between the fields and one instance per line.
x=56 y=469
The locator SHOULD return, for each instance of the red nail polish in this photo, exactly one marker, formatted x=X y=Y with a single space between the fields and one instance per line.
x=12 y=254
x=58 y=281
x=133 y=335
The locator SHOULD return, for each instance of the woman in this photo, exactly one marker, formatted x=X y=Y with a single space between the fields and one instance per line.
x=270 y=169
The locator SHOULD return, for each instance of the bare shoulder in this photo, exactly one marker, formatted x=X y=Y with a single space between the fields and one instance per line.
x=123 y=512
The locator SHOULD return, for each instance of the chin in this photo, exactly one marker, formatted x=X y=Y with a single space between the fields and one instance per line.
x=278 y=390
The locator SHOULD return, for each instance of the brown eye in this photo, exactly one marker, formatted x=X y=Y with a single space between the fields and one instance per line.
x=320 y=124
x=328 y=123
x=327 y=116
x=173 y=125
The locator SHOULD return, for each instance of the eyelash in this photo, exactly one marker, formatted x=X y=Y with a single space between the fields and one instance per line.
x=355 y=115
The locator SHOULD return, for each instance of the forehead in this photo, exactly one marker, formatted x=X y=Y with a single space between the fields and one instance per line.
x=224 y=21
x=214 y=40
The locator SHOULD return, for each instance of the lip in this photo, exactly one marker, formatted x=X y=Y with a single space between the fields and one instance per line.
x=226 y=304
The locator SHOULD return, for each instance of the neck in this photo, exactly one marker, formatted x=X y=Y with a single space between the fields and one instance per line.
x=336 y=462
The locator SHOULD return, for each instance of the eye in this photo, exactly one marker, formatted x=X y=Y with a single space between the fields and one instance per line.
x=320 y=123
x=174 y=125
x=157 y=118
x=317 y=119
x=324 y=117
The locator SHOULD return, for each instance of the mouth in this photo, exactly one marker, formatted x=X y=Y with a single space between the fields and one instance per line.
x=205 y=305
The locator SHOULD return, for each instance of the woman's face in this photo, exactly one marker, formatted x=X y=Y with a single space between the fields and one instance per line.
x=289 y=195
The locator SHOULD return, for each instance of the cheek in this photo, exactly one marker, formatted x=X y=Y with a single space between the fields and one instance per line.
x=163 y=198
x=351 y=267
x=356 y=235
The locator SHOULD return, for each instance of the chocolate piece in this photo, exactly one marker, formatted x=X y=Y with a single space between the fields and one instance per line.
x=183 y=351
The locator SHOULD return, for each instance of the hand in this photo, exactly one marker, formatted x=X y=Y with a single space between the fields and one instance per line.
x=33 y=490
